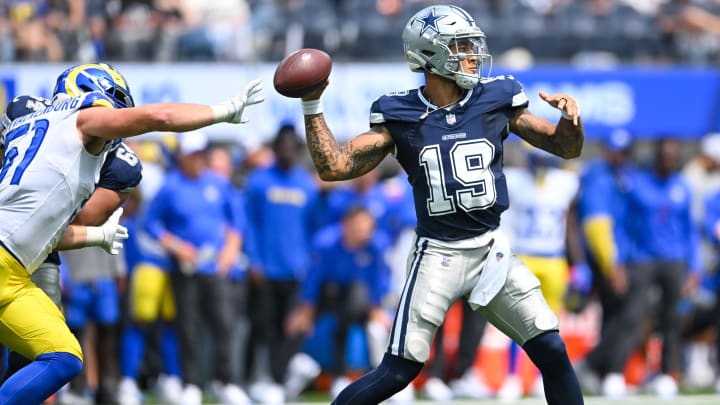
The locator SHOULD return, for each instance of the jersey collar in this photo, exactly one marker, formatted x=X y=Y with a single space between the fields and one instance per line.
x=427 y=102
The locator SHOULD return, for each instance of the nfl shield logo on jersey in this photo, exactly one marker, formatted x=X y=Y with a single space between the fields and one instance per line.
x=450 y=118
x=499 y=256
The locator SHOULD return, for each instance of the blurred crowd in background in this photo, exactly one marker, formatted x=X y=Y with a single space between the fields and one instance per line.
x=536 y=31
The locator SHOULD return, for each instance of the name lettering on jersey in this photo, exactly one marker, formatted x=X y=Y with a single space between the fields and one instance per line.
x=398 y=93
x=65 y=105
x=285 y=195
x=452 y=137
x=500 y=77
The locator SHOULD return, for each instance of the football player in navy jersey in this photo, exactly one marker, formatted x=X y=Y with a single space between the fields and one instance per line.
x=448 y=137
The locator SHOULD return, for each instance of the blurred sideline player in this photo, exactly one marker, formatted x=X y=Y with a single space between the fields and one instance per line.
x=149 y=300
x=205 y=250
x=536 y=224
x=56 y=154
x=348 y=279
x=601 y=210
x=448 y=136
x=92 y=291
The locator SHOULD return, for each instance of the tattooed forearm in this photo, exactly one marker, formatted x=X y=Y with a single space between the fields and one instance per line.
x=323 y=147
x=334 y=162
x=564 y=139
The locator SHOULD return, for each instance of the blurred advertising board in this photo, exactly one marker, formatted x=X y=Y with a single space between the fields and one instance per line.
x=647 y=101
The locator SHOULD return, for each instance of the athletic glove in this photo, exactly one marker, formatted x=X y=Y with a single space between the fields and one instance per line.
x=109 y=235
x=232 y=110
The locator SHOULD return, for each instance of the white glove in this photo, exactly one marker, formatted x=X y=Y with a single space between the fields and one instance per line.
x=232 y=110
x=109 y=235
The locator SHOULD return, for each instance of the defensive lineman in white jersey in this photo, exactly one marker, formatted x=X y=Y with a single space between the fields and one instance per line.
x=52 y=160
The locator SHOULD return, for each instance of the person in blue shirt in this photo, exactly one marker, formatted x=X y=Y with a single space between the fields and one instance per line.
x=281 y=201
x=193 y=216
x=365 y=190
x=150 y=305
x=347 y=278
x=711 y=280
x=601 y=207
x=664 y=251
x=448 y=136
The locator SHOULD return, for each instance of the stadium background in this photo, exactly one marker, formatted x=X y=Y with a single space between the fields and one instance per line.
x=628 y=67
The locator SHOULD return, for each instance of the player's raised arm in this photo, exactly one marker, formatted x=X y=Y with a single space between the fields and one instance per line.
x=109 y=123
x=564 y=139
x=107 y=109
x=334 y=162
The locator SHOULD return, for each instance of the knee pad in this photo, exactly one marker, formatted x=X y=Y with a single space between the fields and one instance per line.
x=417 y=346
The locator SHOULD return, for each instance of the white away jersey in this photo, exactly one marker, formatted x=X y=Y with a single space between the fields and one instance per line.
x=46 y=177
x=536 y=220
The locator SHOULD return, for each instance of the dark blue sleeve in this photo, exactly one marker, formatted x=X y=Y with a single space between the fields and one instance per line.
x=154 y=216
x=380 y=277
x=694 y=254
x=239 y=213
x=253 y=208
x=311 y=285
x=518 y=98
x=122 y=170
x=594 y=193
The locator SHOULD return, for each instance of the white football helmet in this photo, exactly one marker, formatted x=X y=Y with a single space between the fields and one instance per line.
x=431 y=32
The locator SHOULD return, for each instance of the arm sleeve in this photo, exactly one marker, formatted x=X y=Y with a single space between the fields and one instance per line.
x=693 y=233
x=598 y=232
x=252 y=208
x=240 y=214
x=315 y=276
x=154 y=216
x=712 y=215
x=232 y=210
x=598 y=225
x=519 y=97
x=380 y=281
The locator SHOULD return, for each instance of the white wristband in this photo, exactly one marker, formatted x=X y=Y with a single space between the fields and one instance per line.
x=221 y=112
x=312 y=107
x=94 y=236
x=567 y=116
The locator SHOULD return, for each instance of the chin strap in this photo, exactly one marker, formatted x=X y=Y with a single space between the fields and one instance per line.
x=465 y=81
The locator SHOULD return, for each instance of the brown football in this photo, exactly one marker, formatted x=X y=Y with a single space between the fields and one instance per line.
x=301 y=72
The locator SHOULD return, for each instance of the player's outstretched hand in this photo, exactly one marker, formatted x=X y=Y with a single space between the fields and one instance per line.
x=113 y=233
x=566 y=104
x=232 y=110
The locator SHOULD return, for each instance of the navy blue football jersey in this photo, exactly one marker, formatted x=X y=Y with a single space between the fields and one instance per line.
x=122 y=170
x=453 y=157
